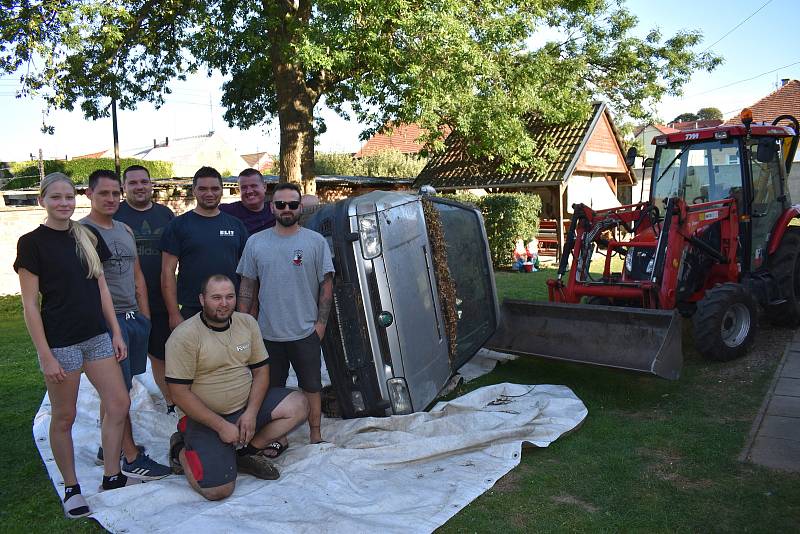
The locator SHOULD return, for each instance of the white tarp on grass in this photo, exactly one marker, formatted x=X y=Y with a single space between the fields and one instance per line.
x=397 y=474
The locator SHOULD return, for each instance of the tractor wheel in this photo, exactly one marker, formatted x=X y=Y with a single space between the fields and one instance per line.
x=785 y=268
x=725 y=322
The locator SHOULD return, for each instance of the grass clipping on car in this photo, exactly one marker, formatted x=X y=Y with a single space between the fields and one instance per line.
x=444 y=281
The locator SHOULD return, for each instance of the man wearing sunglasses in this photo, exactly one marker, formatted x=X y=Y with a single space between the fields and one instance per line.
x=287 y=272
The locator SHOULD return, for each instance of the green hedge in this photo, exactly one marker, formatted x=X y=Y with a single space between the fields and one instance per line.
x=390 y=163
x=507 y=216
x=26 y=173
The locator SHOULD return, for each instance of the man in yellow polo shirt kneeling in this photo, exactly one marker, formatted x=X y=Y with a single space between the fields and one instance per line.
x=217 y=370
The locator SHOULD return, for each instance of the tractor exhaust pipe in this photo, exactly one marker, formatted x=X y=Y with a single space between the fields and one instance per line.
x=643 y=340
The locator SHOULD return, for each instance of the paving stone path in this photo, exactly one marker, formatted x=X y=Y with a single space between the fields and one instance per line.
x=775 y=437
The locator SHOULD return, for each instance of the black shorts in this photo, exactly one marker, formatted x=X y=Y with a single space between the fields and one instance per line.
x=303 y=355
x=213 y=462
x=159 y=333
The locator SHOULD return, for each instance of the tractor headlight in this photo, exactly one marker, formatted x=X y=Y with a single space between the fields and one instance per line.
x=370 y=236
x=650 y=265
x=629 y=259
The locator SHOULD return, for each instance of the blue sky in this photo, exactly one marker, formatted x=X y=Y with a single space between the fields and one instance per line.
x=767 y=42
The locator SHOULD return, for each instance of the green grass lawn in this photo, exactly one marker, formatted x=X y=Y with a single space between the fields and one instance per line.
x=652 y=455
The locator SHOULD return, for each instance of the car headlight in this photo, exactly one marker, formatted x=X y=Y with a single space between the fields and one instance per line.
x=358 y=401
x=399 y=396
x=370 y=236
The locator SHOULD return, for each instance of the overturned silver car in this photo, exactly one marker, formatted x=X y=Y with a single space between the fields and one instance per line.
x=414 y=298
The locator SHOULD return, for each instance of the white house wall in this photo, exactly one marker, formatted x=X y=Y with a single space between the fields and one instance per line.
x=592 y=191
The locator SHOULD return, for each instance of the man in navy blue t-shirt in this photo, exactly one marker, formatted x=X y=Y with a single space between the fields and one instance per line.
x=204 y=242
x=148 y=220
x=252 y=209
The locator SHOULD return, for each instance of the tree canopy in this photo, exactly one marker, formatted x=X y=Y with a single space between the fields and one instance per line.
x=703 y=114
x=686 y=117
x=475 y=67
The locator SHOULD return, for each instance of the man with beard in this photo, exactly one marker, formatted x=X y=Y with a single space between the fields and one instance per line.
x=203 y=241
x=148 y=221
x=218 y=373
x=290 y=269
x=252 y=209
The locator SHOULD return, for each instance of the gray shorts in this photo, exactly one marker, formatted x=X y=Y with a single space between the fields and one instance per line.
x=95 y=348
x=213 y=462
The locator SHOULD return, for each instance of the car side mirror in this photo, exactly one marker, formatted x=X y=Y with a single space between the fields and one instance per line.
x=766 y=150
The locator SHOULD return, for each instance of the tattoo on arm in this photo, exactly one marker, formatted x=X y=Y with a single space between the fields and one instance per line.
x=325 y=299
x=246 y=287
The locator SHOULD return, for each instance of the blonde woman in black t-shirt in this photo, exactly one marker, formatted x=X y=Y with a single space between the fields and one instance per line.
x=62 y=260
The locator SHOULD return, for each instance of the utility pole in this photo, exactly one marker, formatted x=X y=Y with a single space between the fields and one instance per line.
x=117 y=166
x=41 y=166
x=211 y=111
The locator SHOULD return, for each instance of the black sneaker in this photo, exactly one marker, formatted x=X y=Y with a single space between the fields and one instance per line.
x=144 y=468
x=98 y=460
x=258 y=466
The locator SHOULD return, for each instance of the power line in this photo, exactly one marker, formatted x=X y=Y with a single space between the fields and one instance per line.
x=737 y=26
x=744 y=80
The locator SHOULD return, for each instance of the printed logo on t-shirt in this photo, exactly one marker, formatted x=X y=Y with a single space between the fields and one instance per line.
x=227 y=233
x=243 y=347
x=297 y=258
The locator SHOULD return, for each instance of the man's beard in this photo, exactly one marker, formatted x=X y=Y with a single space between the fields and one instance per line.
x=216 y=317
x=288 y=221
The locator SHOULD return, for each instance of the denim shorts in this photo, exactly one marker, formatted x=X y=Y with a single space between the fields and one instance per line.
x=71 y=358
x=135 y=329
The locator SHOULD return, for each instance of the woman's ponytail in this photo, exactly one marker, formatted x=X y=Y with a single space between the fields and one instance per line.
x=85 y=246
x=85 y=240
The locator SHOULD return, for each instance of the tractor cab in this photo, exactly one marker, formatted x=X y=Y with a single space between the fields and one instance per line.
x=729 y=162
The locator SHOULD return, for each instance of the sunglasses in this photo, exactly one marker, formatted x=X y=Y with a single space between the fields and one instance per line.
x=281 y=205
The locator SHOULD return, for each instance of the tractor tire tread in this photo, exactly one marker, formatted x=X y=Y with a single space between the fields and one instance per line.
x=707 y=322
x=784 y=265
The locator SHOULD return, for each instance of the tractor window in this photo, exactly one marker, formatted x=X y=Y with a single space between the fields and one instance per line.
x=698 y=172
x=766 y=182
x=767 y=205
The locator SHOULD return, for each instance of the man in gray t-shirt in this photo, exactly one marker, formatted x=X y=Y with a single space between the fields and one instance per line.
x=129 y=294
x=291 y=271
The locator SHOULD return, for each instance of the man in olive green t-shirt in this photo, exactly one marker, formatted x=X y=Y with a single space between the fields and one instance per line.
x=217 y=370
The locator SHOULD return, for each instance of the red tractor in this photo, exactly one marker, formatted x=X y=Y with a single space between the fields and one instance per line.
x=713 y=242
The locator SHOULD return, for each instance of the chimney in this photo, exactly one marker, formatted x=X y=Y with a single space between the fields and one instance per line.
x=166 y=141
x=784 y=81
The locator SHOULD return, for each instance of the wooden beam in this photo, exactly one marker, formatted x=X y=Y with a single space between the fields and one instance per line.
x=562 y=198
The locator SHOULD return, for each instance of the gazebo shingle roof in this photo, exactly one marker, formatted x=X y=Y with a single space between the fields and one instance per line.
x=455 y=168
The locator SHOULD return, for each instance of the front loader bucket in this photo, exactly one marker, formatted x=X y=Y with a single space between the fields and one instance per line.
x=638 y=339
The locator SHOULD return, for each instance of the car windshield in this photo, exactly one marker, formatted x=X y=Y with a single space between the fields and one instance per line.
x=471 y=272
x=697 y=172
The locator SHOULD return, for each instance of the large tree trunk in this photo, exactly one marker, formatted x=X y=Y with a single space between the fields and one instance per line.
x=307 y=163
x=296 y=124
x=296 y=101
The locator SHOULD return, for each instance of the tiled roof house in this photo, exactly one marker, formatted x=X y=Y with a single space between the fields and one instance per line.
x=402 y=137
x=589 y=167
x=783 y=101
